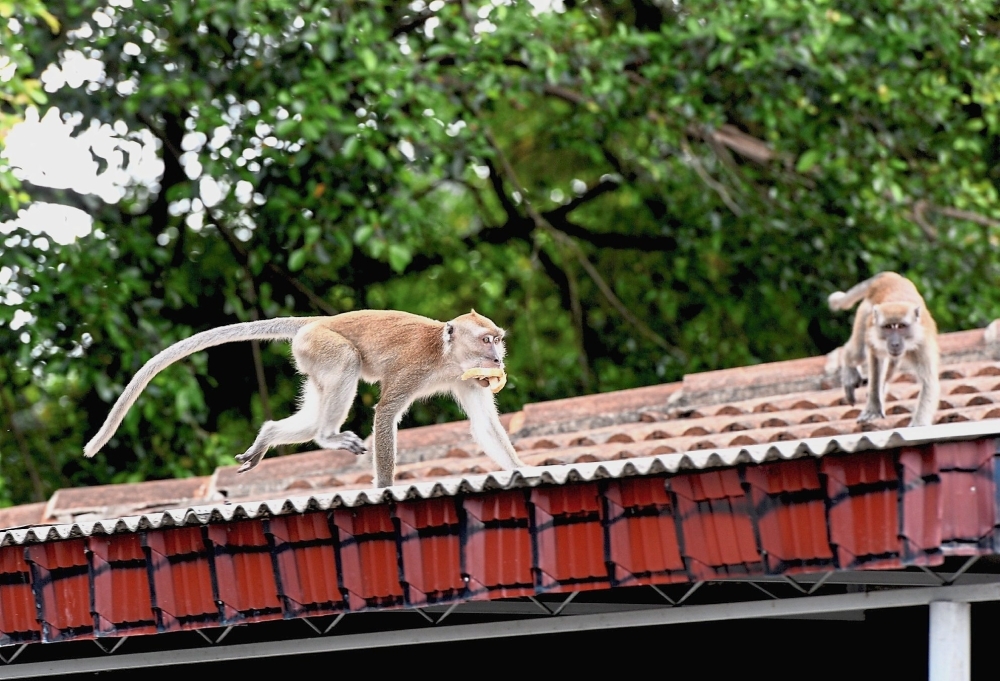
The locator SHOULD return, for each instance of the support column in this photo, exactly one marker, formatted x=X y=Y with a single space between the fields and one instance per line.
x=950 y=641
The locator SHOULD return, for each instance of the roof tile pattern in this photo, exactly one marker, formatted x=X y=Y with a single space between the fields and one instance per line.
x=753 y=471
x=745 y=407
x=878 y=509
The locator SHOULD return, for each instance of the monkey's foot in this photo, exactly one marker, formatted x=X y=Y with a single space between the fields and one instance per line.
x=850 y=377
x=249 y=459
x=346 y=440
x=870 y=415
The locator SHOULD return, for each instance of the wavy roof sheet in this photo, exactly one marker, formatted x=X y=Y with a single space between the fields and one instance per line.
x=714 y=419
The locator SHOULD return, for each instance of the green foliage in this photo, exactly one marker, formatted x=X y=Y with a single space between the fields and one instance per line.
x=18 y=90
x=634 y=192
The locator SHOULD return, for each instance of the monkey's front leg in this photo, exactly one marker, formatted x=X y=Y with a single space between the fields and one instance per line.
x=930 y=393
x=876 y=382
x=479 y=405
x=388 y=411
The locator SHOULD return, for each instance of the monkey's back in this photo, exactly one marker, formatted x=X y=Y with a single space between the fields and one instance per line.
x=891 y=287
x=389 y=340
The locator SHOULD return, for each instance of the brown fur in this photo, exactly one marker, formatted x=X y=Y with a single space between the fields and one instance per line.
x=410 y=356
x=892 y=327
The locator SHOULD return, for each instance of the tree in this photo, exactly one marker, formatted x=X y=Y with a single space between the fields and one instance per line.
x=636 y=189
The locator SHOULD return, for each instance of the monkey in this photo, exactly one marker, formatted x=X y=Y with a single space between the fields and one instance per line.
x=892 y=327
x=410 y=356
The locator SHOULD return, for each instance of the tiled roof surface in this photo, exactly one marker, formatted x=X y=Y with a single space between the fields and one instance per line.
x=742 y=408
x=757 y=471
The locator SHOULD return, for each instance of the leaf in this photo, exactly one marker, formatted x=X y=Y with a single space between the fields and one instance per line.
x=49 y=19
x=368 y=58
x=180 y=11
x=724 y=34
x=375 y=157
x=328 y=51
x=808 y=160
x=350 y=146
x=296 y=260
x=399 y=257
x=286 y=127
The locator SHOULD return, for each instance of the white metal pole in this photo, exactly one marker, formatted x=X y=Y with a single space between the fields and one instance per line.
x=950 y=657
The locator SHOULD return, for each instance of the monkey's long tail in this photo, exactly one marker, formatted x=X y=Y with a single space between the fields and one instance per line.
x=839 y=300
x=265 y=329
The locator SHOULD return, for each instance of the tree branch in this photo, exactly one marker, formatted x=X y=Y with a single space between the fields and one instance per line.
x=88 y=203
x=561 y=237
x=711 y=182
x=509 y=207
x=922 y=206
x=920 y=218
x=416 y=21
x=606 y=184
x=959 y=214
x=237 y=248
x=244 y=258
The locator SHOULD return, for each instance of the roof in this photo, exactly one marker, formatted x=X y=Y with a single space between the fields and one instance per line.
x=717 y=418
x=748 y=473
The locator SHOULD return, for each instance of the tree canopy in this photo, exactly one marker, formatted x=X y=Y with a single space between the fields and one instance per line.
x=635 y=189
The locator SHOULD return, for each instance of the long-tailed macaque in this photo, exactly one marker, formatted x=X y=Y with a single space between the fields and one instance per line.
x=411 y=357
x=892 y=326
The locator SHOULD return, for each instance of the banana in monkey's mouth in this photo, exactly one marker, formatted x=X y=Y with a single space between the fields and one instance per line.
x=496 y=377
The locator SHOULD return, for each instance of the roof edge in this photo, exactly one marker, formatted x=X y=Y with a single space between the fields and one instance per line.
x=521 y=478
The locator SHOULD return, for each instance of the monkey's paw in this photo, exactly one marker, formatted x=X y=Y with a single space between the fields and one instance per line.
x=870 y=415
x=346 y=440
x=494 y=379
x=249 y=459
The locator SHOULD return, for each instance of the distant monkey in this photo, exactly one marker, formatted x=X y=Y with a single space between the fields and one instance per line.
x=892 y=326
x=411 y=357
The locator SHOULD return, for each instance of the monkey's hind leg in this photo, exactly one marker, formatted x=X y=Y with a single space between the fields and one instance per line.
x=337 y=396
x=851 y=379
x=874 y=409
x=854 y=354
x=334 y=365
x=299 y=427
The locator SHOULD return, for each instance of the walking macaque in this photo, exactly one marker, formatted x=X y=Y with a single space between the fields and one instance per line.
x=411 y=357
x=892 y=326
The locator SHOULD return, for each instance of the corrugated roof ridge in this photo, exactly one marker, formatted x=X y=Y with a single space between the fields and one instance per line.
x=526 y=477
x=552 y=417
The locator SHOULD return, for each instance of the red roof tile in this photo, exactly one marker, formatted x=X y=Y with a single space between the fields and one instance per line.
x=732 y=408
x=751 y=471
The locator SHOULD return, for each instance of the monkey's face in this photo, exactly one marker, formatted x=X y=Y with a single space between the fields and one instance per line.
x=478 y=342
x=896 y=326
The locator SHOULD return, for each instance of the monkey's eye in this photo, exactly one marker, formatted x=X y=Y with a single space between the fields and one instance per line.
x=487 y=340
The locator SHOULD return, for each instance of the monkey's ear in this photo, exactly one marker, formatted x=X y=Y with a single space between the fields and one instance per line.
x=449 y=330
